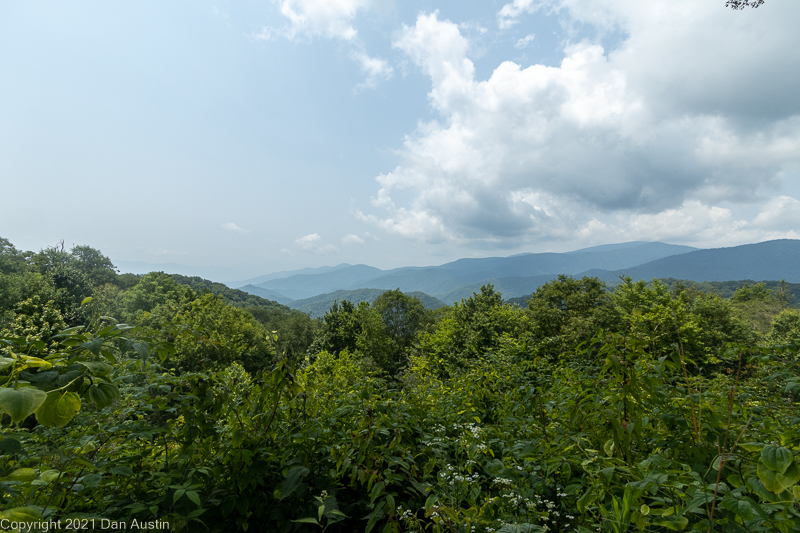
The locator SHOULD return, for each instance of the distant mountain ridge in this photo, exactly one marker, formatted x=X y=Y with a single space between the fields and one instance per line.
x=521 y=274
x=770 y=260
x=454 y=279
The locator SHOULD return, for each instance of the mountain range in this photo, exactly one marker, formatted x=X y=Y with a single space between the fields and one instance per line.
x=520 y=275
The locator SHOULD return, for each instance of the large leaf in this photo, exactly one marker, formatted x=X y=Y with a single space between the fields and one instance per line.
x=13 y=446
x=36 y=362
x=58 y=409
x=22 y=514
x=21 y=403
x=98 y=368
x=673 y=522
x=238 y=437
x=293 y=480
x=103 y=394
x=739 y=507
x=776 y=458
x=776 y=482
x=23 y=475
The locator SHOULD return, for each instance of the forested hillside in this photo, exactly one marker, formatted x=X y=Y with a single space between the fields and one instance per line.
x=317 y=306
x=169 y=403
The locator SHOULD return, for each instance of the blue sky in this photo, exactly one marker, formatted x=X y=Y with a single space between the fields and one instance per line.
x=241 y=138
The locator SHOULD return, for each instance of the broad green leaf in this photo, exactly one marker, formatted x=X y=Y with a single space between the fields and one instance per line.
x=98 y=368
x=293 y=479
x=238 y=437
x=68 y=405
x=142 y=349
x=5 y=362
x=21 y=403
x=192 y=495
x=12 y=446
x=735 y=480
x=608 y=447
x=103 y=394
x=58 y=409
x=606 y=475
x=586 y=500
x=36 y=362
x=644 y=509
x=94 y=345
x=178 y=494
x=430 y=502
x=122 y=470
x=22 y=514
x=752 y=446
x=776 y=458
x=776 y=482
x=739 y=507
x=23 y=475
x=49 y=476
x=673 y=522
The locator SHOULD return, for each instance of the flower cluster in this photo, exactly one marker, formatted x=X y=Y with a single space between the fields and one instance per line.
x=404 y=515
x=451 y=476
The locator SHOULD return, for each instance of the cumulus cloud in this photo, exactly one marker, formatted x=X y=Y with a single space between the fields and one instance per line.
x=665 y=127
x=326 y=18
x=309 y=240
x=352 y=239
x=311 y=243
x=332 y=19
x=781 y=213
x=376 y=69
x=510 y=13
x=230 y=226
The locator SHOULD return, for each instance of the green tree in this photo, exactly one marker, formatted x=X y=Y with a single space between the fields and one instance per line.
x=785 y=329
x=757 y=306
x=154 y=289
x=12 y=261
x=223 y=335
x=97 y=267
x=296 y=330
x=402 y=317
x=567 y=311
x=473 y=327
x=339 y=330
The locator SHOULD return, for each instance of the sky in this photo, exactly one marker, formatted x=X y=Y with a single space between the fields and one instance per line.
x=248 y=137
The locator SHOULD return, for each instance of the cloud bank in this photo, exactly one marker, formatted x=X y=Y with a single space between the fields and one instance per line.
x=694 y=115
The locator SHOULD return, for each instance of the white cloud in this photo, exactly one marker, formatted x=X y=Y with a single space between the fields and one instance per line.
x=326 y=18
x=308 y=241
x=230 y=226
x=781 y=213
x=510 y=13
x=525 y=41
x=352 y=239
x=627 y=141
x=376 y=69
x=332 y=19
x=311 y=243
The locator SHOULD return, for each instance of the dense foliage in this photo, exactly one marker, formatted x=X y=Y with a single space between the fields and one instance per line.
x=149 y=401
